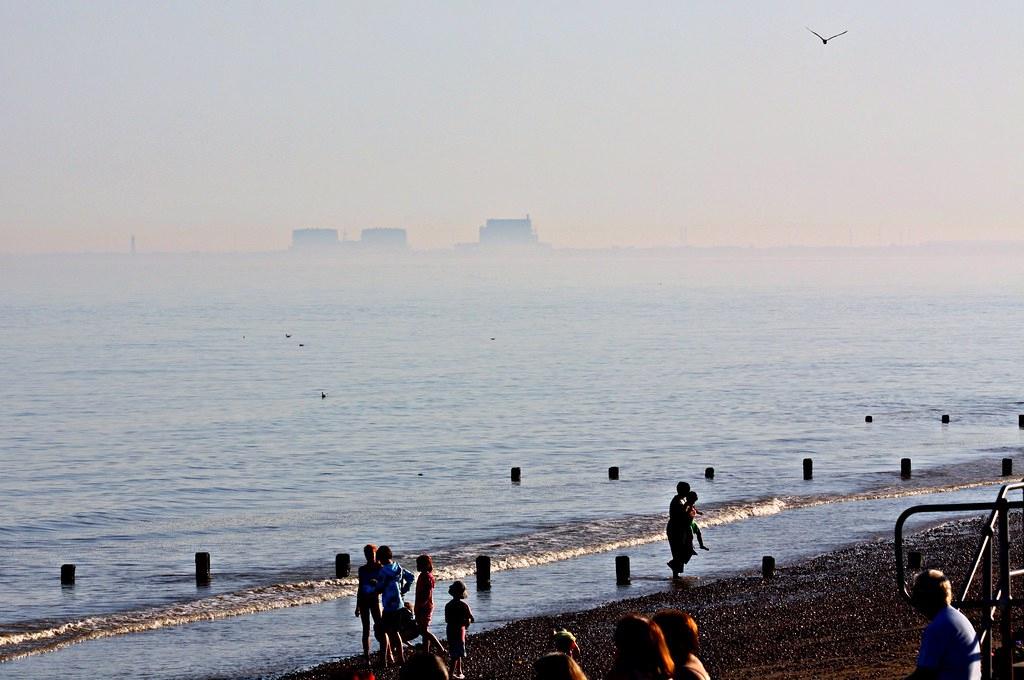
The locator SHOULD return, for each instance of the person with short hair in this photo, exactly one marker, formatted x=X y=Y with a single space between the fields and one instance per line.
x=393 y=582
x=457 y=616
x=683 y=642
x=949 y=643
x=368 y=603
x=678 y=529
x=557 y=666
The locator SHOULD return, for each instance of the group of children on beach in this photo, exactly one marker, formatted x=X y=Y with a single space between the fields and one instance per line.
x=380 y=599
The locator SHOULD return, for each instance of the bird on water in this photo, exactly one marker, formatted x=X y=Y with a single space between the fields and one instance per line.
x=323 y=395
x=824 y=41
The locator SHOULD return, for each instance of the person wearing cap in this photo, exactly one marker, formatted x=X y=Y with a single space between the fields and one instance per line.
x=565 y=642
x=457 y=616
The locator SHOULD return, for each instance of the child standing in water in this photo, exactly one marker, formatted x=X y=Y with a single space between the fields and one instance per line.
x=425 y=602
x=457 y=616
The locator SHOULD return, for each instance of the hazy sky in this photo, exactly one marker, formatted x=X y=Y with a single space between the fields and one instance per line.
x=224 y=125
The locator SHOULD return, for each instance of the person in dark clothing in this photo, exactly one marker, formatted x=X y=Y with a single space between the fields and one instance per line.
x=680 y=537
x=457 y=616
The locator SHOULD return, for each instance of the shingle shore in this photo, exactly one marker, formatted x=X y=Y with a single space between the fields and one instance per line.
x=833 y=616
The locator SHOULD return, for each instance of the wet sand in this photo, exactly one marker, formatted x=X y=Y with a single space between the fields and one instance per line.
x=834 y=616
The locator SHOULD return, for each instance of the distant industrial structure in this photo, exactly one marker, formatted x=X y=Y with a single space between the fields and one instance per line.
x=326 y=240
x=508 y=232
x=314 y=239
x=383 y=239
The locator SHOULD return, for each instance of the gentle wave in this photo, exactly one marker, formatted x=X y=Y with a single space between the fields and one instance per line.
x=555 y=544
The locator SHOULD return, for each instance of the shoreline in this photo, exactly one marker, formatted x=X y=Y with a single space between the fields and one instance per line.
x=837 y=615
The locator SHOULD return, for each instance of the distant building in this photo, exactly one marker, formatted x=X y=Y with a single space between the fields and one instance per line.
x=508 y=232
x=303 y=239
x=383 y=239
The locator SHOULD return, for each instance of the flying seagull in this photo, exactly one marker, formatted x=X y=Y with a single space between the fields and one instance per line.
x=824 y=41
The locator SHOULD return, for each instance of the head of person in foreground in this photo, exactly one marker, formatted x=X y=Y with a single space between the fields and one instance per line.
x=640 y=650
x=424 y=666
x=680 y=631
x=931 y=592
x=557 y=666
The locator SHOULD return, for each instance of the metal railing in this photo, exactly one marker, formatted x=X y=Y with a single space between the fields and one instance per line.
x=990 y=601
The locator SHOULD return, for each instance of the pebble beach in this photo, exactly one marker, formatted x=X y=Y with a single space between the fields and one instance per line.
x=837 y=615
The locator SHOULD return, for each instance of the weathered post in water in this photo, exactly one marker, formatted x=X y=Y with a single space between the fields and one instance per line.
x=1020 y=421
x=768 y=566
x=516 y=474
x=945 y=418
x=202 y=568
x=808 y=468
x=67 y=574
x=905 y=468
x=622 y=570
x=613 y=472
x=342 y=565
x=709 y=473
x=1007 y=467
x=868 y=419
x=483 y=572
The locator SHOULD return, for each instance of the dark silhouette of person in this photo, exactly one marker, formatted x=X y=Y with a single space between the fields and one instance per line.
x=424 y=666
x=368 y=603
x=680 y=538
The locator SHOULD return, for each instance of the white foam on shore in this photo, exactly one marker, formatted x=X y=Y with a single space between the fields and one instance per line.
x=557 y=543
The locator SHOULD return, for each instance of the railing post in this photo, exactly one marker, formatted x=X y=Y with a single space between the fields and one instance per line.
x=1005 y=625
x=986 y=612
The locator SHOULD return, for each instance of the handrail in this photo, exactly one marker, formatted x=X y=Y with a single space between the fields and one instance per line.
x=901 y=573
x=994 y=599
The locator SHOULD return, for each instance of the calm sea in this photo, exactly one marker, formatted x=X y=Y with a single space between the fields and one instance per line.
x=156 y=406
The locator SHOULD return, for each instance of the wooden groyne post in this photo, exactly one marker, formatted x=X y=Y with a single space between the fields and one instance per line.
x=613 y=472
x=1007 y=467
x=67 y=574
x=868 y=419
x=342 y=565
x=768 y=566
x=622 y=570
x=808 y=468
x=202 y=568
x=517 y=474
x=905 y=468
x=483 y=572
x=709 y=473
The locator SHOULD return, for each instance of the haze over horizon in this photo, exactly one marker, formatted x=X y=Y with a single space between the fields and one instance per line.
x=223 y=127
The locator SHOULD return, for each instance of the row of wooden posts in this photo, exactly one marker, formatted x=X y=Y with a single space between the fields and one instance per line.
x=342 y=561
x=709 y=473
x=343 y=567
